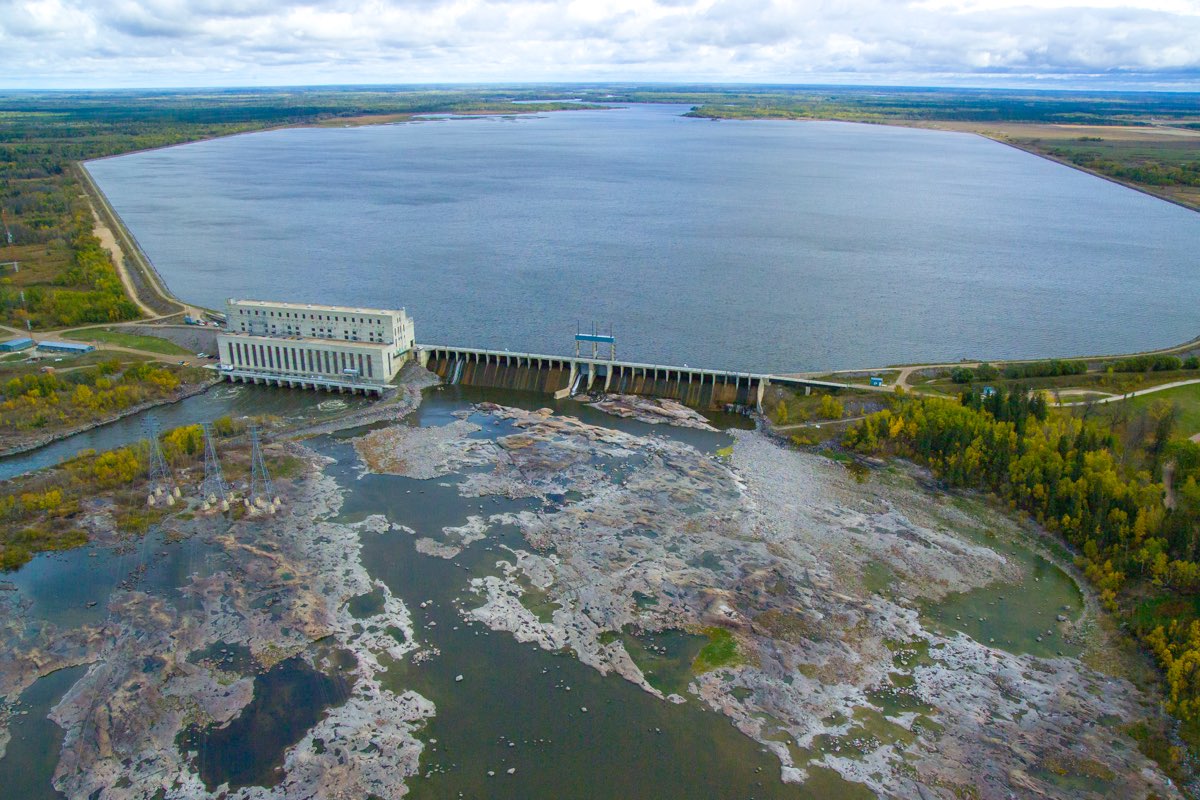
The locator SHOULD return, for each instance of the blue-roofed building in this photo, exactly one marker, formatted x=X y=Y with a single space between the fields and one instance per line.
x=13 y=345
x=73 y=348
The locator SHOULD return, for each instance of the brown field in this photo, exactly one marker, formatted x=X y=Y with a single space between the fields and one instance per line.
x=362 y=119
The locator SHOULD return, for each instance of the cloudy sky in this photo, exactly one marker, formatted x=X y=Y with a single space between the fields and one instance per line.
x=111 y=43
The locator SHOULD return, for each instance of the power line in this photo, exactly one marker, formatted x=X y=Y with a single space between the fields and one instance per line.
x=162 y=487
x=214 y=490
x=262 y=490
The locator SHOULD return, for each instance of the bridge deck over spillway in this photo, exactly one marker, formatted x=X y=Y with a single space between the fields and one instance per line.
x=563 y=376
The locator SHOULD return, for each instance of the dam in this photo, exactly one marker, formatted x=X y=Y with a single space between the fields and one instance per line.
x=351 y=349
x=564 y=376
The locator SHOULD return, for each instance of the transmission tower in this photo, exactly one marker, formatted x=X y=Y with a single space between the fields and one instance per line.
x=213 y=489
x=262 y=491
x=162 y=481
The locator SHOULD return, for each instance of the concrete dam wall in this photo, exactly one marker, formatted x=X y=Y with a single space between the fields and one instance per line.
x=528 y=373
x=563 y=376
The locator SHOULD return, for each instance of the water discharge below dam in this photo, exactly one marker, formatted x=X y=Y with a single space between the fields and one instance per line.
x=563 y=376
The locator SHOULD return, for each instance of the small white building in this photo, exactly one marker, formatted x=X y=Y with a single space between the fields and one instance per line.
x=314 y=346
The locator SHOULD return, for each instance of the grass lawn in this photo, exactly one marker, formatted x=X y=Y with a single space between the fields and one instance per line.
x=1098 y=382
x=64 y=362
x=152 y=344
x=862 y=378
x=1185 y=398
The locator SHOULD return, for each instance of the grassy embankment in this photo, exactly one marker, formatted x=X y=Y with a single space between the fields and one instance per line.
x=1064 y=388
x=1184 y=400
x=133 y=341
x=45 y=511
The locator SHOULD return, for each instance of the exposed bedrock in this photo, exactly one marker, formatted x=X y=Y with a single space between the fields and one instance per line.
x=773 y=547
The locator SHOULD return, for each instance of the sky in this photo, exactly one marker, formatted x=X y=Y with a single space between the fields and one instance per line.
x=1151 y=44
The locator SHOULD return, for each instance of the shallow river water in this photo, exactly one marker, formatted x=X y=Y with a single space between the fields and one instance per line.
x=516 y=707
x=513 y=709
x=290 y=405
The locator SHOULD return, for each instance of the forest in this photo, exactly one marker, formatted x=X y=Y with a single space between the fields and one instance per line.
x=37 y=400
x=1125 y=498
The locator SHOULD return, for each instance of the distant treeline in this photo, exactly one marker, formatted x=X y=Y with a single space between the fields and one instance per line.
x=1053 y=368
x=67 y=278
x=1153 y=363
x=1050 y=368
x=893 y=104
x=1149 y=171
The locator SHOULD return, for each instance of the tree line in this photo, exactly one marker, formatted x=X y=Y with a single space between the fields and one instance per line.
x=1101 y=492
x=46 y=399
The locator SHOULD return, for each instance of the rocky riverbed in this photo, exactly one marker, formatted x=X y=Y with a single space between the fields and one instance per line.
x=268 y=598
x=653 y=410
x=765 y=584
x=774 y=555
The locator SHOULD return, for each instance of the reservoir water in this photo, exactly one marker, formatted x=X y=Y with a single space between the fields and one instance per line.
x=759 y=245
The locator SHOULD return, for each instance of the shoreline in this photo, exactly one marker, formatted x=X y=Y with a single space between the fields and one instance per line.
x=51 y=438
x=326 y=123
x=145 y=265
x=1137 y=188
x=139 y=267
x=932 y=125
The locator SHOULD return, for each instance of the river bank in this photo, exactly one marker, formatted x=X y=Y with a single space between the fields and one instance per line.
x=1028 y=137
x=762 y=585
x=37 y=441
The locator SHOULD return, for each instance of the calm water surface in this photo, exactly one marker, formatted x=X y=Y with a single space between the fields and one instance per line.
x=748 y=245
x=292 y=405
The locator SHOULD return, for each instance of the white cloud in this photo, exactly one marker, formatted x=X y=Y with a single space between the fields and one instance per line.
x=198 y=42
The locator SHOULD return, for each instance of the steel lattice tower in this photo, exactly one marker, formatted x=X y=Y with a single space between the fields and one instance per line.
x=214 y=485
x=160 y=473
x=260 y=479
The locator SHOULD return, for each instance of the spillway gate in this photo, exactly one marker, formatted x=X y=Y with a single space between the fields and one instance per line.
x=563 y=376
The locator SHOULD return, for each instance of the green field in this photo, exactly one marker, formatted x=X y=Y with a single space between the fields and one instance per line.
x=1185 y=398
x=136 y=341
x=1098 y=382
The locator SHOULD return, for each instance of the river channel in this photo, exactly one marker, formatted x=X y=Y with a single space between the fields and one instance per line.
x=512 y=719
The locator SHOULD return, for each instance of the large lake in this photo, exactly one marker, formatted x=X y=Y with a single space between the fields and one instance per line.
x=777 y=246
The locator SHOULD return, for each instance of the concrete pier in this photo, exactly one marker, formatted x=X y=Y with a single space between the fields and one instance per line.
x=563 y=376
x=306 y=382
